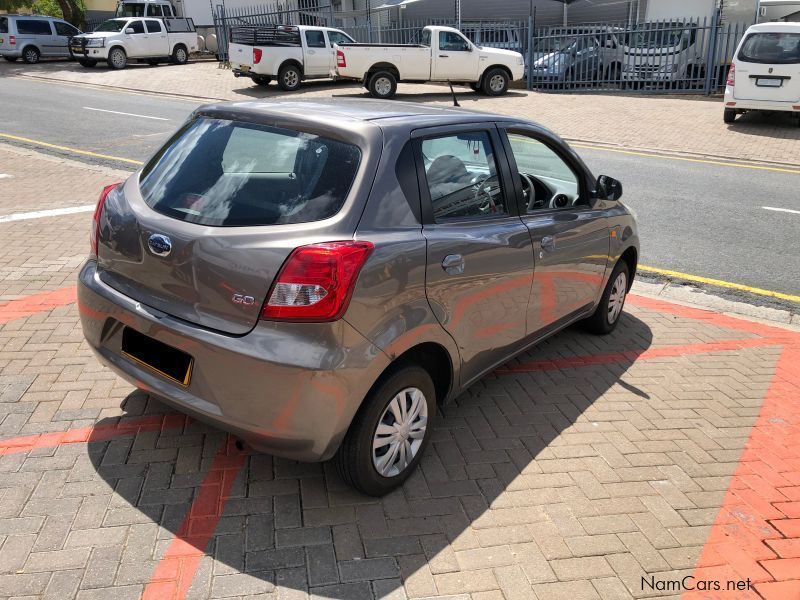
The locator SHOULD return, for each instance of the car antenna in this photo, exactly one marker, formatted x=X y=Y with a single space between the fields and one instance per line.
x=452 y=91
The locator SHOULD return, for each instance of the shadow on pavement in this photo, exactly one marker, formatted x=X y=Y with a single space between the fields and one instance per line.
x=297 y=525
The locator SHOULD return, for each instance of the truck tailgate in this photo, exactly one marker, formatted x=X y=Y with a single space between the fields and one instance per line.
x=241 y=56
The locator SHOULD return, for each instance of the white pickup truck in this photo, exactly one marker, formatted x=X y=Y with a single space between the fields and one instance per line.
x=443 y=54
x=291 y=53
x=150 y=40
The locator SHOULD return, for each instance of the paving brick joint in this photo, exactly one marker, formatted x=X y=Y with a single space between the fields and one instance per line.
x=582 y=469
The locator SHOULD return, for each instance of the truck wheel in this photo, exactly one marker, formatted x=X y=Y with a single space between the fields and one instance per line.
x=289 y=78
x=390 y=432
x=262 y=80
x=382 y=84
x=729 y=116
x=30 y=55
x=87 y=62
x=495 y=82
x=179 y=55
x=117 y=59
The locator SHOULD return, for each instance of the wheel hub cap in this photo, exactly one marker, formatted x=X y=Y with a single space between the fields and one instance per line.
x=616 y=299
x=496 y=83
x=400 y=432
x=383 y=86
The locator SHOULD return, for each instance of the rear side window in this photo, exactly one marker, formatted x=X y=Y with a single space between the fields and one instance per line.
x=3 y=24
x=315 y=39
x=33 y=27
x=154 y=10
x=771 y=48
x=65 y=29
x=228 y=174
x=153 y=26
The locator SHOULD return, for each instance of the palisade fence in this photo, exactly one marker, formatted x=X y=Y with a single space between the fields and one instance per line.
x=687 y=56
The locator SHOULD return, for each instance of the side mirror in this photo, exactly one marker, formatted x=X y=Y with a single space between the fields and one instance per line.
x=608 y=188
x=129 y=31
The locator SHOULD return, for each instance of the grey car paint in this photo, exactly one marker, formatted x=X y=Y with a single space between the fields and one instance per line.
x=293 y=389
x=48 y=45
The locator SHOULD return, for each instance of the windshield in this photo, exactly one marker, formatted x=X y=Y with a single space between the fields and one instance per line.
x=660 y=35
x=554 y=44
x=130 y=10
x=114 y=25
x=771 y=48
x=227 y=174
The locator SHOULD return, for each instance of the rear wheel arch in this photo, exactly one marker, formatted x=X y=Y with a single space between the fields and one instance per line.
x=435 y=359
x=382 y=66
x=290 y=62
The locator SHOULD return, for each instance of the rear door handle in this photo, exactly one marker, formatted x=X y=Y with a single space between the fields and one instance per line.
x=548 y=243
x=453 y=264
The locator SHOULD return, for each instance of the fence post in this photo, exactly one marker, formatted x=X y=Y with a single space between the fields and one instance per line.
x=529 y=67
x=711 y=66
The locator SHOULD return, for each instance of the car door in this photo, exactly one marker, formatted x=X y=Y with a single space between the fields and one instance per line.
x=335 y=37
x=136 y=41
x=455 y=59
x=157 y=41
x=316 y=61
x=571 y=239
x=480 y=259
x=64 y=31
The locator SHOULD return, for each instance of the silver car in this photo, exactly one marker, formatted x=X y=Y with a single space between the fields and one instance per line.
x=317 y=277
x=31 y=38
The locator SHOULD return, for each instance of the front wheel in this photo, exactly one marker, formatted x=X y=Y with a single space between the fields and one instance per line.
x=606 y=316
x=117 y=59
x=388 y=435
x=729 y=116
x=289 y=78
x=179 y=55
x=495 y=82
x=382 y=84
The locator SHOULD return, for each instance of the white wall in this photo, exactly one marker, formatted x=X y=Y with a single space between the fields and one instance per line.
x=658 y=10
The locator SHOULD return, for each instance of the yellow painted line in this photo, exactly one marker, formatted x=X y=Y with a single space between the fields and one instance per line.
x=68 y=149
x=702 y=161
x=720 y=283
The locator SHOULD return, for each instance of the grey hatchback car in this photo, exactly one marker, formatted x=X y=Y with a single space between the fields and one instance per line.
x=316 y=277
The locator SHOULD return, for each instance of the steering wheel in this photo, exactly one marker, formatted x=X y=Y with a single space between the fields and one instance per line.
x=488 y=205
x=528 y=191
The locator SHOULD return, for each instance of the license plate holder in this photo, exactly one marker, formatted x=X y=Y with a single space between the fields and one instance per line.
x=772 y=82
x=171 y=363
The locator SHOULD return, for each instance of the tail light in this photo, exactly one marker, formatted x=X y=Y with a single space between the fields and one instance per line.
x=316 y=282
x=12 y=39
x=257 y=55
x=731 y=75
x=94 y=235
x=341 y=61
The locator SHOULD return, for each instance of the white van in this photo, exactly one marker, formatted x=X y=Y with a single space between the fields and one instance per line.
x=765 y=74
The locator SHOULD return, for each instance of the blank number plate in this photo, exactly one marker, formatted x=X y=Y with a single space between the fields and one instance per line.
x=767 y=82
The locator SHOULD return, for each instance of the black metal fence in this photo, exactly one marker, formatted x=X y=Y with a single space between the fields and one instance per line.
x=675 y=56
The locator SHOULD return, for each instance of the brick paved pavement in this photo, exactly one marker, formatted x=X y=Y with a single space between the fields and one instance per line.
x=649 y=122
x=572 y=472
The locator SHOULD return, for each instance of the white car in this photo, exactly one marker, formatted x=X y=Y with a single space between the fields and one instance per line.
x=290 y=53
x=150 y=40
x=444 y=54
x=765 y=74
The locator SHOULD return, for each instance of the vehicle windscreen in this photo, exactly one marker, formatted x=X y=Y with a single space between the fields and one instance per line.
x=554 y=44
x=113 y=25
x=771 y=48
x=130 y=10
x=3 y=24
x=231 y=174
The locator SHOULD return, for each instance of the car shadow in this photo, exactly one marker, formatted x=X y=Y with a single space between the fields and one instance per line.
x=299 y=526
x=771 y=125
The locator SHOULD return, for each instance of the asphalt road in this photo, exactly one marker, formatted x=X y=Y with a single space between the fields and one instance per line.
x=704 y=219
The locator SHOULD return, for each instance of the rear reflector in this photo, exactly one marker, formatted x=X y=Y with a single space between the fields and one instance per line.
x=341 y=61
x=257 y=55
x=796 y=108
x=316 y=282
x=12 y=40
x=730 y=104
x=94 y=234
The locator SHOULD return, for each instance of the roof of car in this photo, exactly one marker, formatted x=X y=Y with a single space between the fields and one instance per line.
x=347 y=109
x=776 y=27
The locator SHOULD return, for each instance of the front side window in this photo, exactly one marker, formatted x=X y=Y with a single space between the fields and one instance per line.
x=462 y=177
x=227 y=174
x=548 y=182
x=65 y=29
x=452 y=42
x=153 y=26
x=315 y=39
x=113 y=26
x=771 y=48
x=137 y=26
x=33 y=27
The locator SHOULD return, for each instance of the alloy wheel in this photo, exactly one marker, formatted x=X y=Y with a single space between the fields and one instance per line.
x=290 y=78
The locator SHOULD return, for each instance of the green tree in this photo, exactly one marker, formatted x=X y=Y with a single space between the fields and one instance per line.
x=69 y=10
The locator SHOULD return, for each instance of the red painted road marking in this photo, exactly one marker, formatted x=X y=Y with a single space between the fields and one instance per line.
x=97 y=433
x=174 y=574
x=36 y=303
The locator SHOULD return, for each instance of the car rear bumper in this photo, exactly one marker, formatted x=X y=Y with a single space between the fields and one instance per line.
x=288 y=389
x=11 y=53
x=765 y=105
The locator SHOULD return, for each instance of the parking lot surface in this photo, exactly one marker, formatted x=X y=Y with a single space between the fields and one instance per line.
x=588 y=468
x=667 y=123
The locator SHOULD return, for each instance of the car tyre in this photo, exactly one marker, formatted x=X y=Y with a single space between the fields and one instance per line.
x=729 y=116
x=180 y=55
x=382 y=85
x=117 y=59
x=31 y=55
x=606 y=316
x=262 y=80
x=87 y=62
x=396 y=429
x=289 y=78
x=495 y=82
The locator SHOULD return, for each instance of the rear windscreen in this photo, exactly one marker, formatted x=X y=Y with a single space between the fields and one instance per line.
x=771 y=48
x=227 y=174
x=3 y=24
